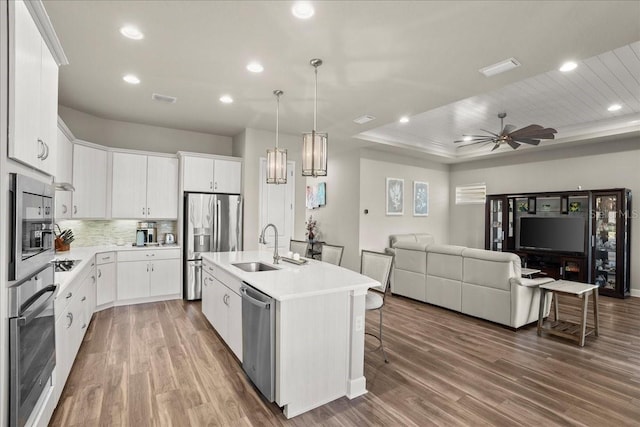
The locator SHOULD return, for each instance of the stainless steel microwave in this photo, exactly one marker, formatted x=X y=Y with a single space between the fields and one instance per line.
x=31 y=209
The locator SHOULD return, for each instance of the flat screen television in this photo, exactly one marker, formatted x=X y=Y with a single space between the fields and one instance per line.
x=557 y=234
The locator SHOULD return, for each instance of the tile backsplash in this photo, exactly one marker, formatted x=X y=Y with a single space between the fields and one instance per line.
x=110 y=232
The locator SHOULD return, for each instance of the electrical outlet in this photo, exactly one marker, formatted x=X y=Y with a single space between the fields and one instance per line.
x=359 y=323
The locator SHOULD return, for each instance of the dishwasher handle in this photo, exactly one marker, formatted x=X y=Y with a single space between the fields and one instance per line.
x=254 y=301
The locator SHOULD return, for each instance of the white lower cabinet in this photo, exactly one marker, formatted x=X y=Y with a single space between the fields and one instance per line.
x=148 y=273
x=106 y=279
x=222 y=306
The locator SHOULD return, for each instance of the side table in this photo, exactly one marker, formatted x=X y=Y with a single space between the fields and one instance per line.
x=565 y=328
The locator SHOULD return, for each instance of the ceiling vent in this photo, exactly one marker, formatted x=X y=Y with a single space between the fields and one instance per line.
x=500 y=67
x=364 y=119
x=164 y=98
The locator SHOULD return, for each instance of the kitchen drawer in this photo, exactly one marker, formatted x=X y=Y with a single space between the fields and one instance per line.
x=229 y=280
x=63 y=298
x=105 y=258
x=148 y=255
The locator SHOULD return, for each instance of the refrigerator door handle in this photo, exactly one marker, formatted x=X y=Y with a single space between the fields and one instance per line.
x=217 y=225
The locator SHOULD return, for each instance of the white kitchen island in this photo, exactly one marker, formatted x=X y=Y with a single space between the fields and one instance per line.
x=320 y=310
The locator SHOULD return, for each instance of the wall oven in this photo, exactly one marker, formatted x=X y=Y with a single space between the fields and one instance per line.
x=32 y=225
x=32 y=343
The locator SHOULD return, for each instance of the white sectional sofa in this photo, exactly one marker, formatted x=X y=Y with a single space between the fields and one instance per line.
x=476 y=282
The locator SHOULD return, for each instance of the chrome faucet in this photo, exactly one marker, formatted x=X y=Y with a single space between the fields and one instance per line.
x=276 y=257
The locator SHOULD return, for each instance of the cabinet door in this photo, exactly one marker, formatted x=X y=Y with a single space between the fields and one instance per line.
x=63 y=364
x=64 y=157
x=234 y=323
x=198 y=174
x=219 y=313
x=63 y=205
x=24 y=145
x=207 y=296
x=129 y=186
x=133 y=280
x=227 y=176
x=164 y=277
x=48 y=110
x=162 y=187
x=90 y=182
x=78 y=325
x=106 y=284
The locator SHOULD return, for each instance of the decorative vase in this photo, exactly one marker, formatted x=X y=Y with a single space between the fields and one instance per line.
x=311 y=236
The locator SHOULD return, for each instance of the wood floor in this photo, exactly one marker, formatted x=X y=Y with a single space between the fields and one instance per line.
x=162 y=364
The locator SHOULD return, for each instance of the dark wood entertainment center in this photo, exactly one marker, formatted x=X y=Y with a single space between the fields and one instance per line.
x=582 y=236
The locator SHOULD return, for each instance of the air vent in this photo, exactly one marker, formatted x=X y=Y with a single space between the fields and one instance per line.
x=500 y=67
x=363 y=119
x=164 y=98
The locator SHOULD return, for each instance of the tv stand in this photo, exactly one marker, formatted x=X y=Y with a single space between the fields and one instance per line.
x=605 y=259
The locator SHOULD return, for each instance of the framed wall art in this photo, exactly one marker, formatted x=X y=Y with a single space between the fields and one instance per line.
x=420 y=198
x=395 y=196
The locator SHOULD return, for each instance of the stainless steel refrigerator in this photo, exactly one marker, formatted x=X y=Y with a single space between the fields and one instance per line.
x=212 y=223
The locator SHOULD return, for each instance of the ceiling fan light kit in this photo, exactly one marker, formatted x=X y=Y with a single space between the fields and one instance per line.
x=277 y=157
x=531 y=135
x=314 y=144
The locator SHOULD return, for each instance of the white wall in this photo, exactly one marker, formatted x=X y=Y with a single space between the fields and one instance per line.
x=134 y=136
x=338 y=219
x=252 y=145
x=593 y=166
x=376 y=226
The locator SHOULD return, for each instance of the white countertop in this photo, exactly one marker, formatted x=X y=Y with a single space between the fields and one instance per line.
x=87 y=254
x=291 y=281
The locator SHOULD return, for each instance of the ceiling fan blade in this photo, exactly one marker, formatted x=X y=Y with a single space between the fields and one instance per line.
x=507 y=129
x=495 y=147
x=476 y=142
x=477 y=138
x=513 y=144
x=490 y=133
x=533 y=131
x=527 y=141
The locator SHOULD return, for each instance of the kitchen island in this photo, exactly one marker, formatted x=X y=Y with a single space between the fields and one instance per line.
x=319 y=328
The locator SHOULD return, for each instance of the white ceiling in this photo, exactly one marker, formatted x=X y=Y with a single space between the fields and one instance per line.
x=384 y=58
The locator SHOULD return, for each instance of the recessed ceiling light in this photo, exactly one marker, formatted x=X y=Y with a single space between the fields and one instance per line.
x=614 y=107
x=568 y=66
x=467 y=138
x=404 y=119
x=303 y=10
x=255 y=67
x=364 y=119
x=226 y=99
x=131 y=79
x=131 y=32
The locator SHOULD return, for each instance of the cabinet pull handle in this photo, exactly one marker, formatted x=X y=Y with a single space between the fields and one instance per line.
x=211 y=185
x=75 y=209
x=41 y=144
x=143 y=210
x=99 y=273
x=64 y=209
x=84 y=326
x=46 y=154
x=83 y=299
x=70 y=318
x=147 y=267
x=39 y=210
x=215 y=185
x=151 y=267
x=148 y=211
x=93 y=279
x=69 y=295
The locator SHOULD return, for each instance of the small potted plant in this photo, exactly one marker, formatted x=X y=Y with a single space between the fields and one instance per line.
x=311 y=226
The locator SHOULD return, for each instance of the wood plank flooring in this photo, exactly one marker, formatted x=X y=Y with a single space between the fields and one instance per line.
x=162 y=364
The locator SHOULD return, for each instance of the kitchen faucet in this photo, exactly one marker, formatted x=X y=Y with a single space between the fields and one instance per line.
x=276 y=257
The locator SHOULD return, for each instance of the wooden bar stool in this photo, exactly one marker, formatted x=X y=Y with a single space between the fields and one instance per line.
x=565 y=328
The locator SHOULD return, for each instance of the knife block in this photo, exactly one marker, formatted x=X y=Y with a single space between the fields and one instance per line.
x=60 y=246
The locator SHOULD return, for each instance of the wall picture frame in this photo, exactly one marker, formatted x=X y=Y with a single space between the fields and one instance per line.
x=420 y=198
x=395 y=196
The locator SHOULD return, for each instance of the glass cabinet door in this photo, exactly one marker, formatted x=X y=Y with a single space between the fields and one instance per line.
x=496 y=227
x=605 y=226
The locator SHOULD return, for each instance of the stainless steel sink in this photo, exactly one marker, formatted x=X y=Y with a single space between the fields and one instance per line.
x=253 y=267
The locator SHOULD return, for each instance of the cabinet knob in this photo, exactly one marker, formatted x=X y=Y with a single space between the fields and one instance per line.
x=84 y=326
x=83 y=299
x=99 y=273
x=69 y=295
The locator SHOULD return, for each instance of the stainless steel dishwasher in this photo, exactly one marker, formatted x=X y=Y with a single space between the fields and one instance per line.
x=258 y=339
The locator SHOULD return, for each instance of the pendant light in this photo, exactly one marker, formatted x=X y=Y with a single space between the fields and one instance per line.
x=314 y=144
x=277 y=157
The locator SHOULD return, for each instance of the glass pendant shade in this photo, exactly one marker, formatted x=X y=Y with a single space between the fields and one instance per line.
x=314 y=154
x=276 y=166
x=277 y=157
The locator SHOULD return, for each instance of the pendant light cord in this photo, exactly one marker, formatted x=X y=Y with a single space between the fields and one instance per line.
x=277 y=117
x=315 y=101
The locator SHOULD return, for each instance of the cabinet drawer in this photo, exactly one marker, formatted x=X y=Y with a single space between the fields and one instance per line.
x=229 y=280
x=105 y=258
x=67 y=295
x=148 y=255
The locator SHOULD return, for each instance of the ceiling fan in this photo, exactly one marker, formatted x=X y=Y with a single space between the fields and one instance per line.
x=531 y=134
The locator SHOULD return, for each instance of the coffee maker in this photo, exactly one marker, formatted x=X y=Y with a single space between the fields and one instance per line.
x=149 y=233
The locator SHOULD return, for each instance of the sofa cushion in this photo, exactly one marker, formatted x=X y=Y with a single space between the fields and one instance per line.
x=445 y=261
x=411 y=259
x=489 y=269
x=444 y=292
x=409 y=284
x=486 y=303
x=419 y=237
x=425 y=238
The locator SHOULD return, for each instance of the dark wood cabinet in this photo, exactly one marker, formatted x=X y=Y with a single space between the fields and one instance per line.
x=599 y=249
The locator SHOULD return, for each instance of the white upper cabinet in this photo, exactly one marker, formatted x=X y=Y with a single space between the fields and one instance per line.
x=90 y=182
x=34 y=102
x=212 y=175
x=64 y=159
x=144 y=186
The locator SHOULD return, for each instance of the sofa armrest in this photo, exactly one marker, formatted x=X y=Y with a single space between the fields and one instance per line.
x=529 y=283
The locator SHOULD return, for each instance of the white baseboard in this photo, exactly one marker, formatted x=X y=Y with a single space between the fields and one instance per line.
x=635 y=293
